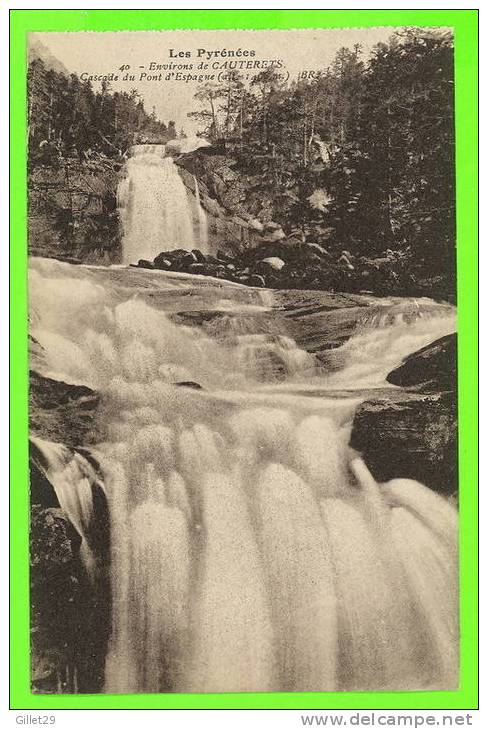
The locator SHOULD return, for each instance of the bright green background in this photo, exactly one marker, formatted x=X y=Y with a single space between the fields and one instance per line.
x=465 y=24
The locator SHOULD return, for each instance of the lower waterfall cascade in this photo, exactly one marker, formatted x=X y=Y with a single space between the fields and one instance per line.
x=251 y=549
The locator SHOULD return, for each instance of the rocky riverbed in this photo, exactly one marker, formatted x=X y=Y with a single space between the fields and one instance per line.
x=297 y=264
x=404 y=429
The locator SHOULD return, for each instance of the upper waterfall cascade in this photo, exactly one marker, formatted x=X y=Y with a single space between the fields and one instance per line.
x=154 y=206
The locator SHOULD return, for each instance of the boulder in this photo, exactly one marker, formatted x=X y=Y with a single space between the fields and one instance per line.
x=288 y=252
x=162 y=263
x=412 y=437
x=314 y=248
x=198 y=255
x=221 y=256
x=274 y=235
x=179 y=259
x=182 y=256
x=274 y=262
x=432 y=367
x=142 y=263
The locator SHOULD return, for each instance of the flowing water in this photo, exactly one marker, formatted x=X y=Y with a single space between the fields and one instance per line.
x=251 y=550
x=202 y=220
x=154 y=207
x=73 y=479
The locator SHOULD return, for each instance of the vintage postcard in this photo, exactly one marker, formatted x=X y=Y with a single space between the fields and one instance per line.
x=242 y=354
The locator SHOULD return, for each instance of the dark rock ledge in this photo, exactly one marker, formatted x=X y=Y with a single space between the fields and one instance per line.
x=412 y=433
x=433 y=366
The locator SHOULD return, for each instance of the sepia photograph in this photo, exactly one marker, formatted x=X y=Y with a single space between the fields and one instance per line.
x=242 y=361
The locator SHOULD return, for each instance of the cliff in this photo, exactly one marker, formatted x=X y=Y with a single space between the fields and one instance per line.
x=72 y=211
x=237 y=220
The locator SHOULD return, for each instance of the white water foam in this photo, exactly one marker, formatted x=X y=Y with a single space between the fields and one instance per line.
x=251 y=550
x=154 y=207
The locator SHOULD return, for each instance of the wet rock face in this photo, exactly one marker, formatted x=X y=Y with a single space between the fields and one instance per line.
x=433 y=366
x=42 y=492
x=69 y=617
x=414 y=437
x=55 y=572
x=232 y=217
x=69 y=611
x=61 y=412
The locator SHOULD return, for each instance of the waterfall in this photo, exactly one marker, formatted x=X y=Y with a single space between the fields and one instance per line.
x=251 y=548
x=73 y=479
x=202 y=220
x=380 y=345
x=154 y=207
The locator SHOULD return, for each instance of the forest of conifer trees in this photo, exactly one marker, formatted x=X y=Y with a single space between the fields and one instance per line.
x=384 y=126
x=67 y=117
